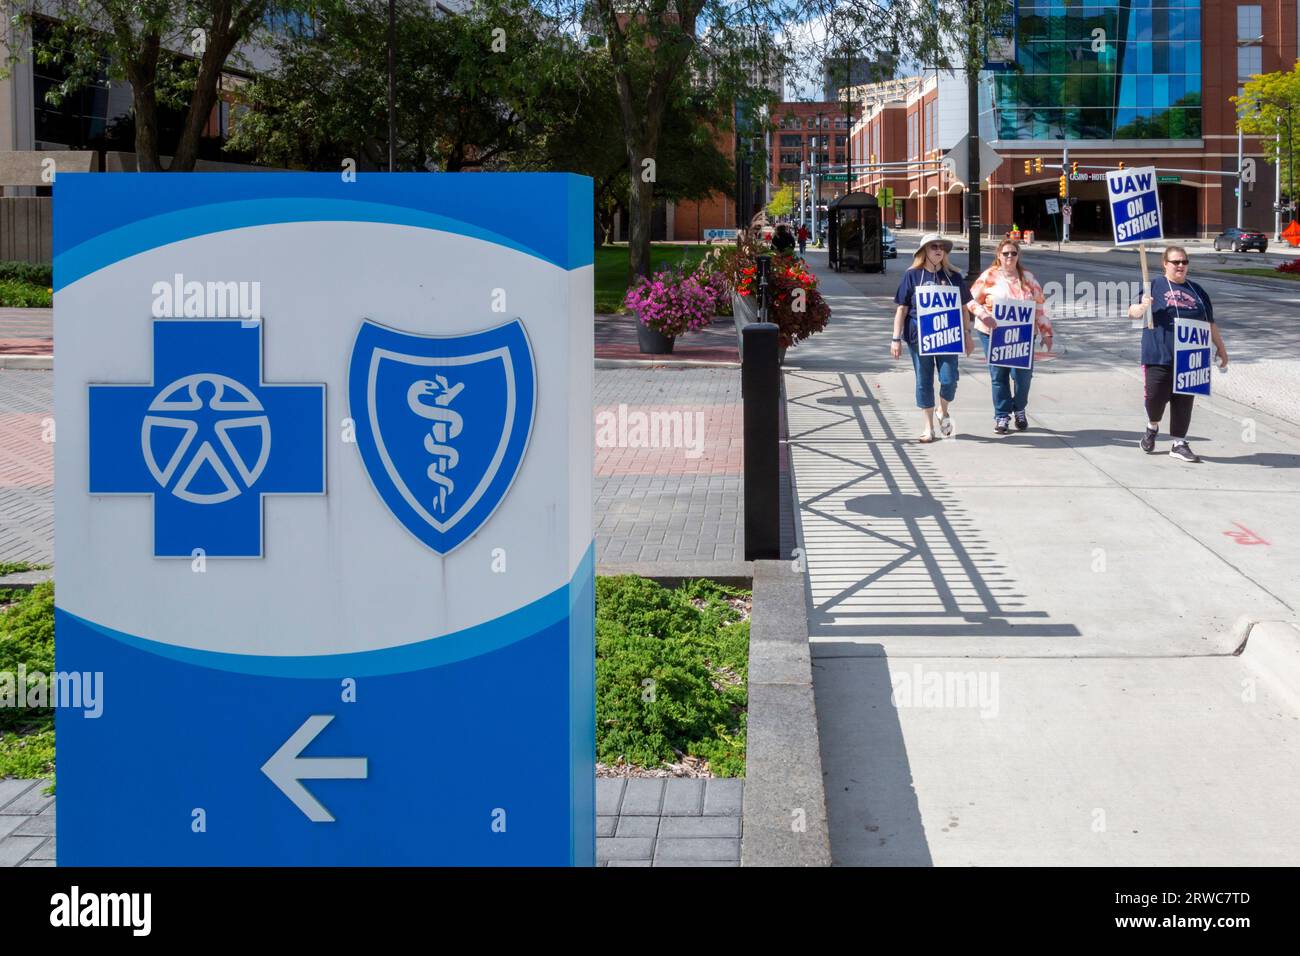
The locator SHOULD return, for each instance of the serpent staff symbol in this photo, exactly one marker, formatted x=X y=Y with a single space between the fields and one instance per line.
x=447 y=424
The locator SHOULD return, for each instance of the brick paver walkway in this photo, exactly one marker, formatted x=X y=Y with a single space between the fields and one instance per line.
x=683 y=502
x=26 y=467
x=26 y=823
x=26 y=331
x=668 y=822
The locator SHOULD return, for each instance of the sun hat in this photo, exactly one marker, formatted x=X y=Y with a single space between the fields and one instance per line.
x=930 y=237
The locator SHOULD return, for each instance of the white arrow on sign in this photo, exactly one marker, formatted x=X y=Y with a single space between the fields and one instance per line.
x=285 y=768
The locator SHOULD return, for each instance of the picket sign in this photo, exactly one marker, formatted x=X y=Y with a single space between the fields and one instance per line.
x=1191 y=357
x=1011 y=344
x=940 y=329
x=1134 y=201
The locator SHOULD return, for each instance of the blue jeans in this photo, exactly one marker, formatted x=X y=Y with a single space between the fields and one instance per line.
x=925 y=366
x=1005 y=401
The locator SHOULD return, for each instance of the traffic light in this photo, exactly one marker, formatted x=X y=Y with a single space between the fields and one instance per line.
x=1038 y=164
x=1121 y=164
x=1026 y=167
x=1062 y=186
x=1074 y=167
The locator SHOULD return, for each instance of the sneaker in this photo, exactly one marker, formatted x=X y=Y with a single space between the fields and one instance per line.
x=1000 y=424
x=1183 y=452
x=1021 y=421
x=1148 y=442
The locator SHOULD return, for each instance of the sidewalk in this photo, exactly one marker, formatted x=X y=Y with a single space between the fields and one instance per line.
x=1024 y=645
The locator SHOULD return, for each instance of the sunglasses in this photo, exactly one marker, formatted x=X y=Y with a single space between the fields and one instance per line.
x=1176 y=262
x=1010 y=253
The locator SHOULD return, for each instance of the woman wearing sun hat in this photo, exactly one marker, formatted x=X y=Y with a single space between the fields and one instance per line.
x=930 y=266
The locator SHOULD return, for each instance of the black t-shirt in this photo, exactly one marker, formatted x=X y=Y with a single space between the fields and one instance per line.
x=1172 y=300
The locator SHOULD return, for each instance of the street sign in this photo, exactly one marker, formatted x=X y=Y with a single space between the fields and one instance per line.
x=835 y=177
x=956 y=160
x=323 y=493
x=1066 y=211
x=720 y=234
x=1170 y=178
x=1053 y=206
x=885 y=196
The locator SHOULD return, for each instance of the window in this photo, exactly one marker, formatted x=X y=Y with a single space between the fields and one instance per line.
x=1249 y=28
x=793 y=140
x=1249 y=61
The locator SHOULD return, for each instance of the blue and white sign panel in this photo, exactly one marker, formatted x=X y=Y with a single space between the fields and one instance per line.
x=323 y=519
x=1191 y=357
x=938 y=319
x=1134 y=205
x=1012 y=343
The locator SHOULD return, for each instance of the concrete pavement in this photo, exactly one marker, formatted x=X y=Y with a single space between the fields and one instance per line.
x=1054 y=612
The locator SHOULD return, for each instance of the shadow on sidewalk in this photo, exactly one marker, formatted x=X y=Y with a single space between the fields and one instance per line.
x=871 y=803
x=891 y=551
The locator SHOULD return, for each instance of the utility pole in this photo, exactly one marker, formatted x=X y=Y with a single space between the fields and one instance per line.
x=1065 y=216
x=1239 y=165
x=1277 y=185
x=848 y=116
x=973 y=205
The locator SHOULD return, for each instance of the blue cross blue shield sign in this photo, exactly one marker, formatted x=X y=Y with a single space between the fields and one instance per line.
x=208 y=439
x=337 y=594
x=442 y=423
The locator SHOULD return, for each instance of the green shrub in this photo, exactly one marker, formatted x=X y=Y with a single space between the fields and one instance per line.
x=671 y=674
x=28 y=272
x=27 y=638
x=17 y=294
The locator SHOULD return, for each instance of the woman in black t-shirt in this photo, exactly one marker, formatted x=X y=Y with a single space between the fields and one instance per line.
x=1172 y=297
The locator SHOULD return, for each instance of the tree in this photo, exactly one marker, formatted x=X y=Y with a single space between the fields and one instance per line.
x=653 y=46
x=170 y=51
x=782 y=203
x=471 y=89
x=1269 y=107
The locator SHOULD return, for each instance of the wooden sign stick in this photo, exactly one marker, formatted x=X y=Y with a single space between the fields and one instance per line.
x=1146 y=280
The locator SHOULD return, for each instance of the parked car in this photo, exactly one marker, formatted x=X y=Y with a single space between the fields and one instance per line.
x=889 y=243
x=1240 y=240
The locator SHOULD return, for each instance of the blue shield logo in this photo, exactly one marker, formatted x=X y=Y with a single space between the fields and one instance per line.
x=442 y=423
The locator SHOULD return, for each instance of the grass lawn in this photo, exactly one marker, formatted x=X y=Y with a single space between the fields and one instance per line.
x=611 y=269
x=1267 y=273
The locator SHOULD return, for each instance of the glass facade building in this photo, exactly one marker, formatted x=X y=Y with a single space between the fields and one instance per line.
x=1096 y=70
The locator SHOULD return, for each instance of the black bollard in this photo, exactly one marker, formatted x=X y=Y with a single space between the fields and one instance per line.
x=760 y=390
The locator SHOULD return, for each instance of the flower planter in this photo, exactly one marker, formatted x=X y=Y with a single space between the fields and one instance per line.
x=652 y=341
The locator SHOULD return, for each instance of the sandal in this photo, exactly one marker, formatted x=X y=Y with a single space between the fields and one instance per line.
x=927 y=436
x=945 y=425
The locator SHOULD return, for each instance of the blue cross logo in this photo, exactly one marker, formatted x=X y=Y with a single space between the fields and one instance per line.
x=207 y=439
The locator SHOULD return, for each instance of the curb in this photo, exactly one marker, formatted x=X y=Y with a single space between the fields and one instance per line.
x=1272 y=650
x=674 y=574
x=26 y=580
x=652 y=363
x=784 y=815
x=43 y=363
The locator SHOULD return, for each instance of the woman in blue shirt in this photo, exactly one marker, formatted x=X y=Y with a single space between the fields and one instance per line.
x=1172 y=297
x=930 y=266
